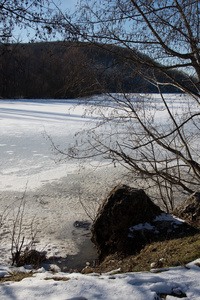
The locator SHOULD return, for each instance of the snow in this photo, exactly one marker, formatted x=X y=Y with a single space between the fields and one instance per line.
x=141 y=226
x=52 y=191
x=147 y=226
x=135 y=286
x=169 y=218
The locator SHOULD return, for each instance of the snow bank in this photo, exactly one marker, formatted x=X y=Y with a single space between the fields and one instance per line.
x=134 y=286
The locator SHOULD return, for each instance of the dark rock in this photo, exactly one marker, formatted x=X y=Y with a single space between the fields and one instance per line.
x=82 y=224
x=189 y=210
x=124 y=207
x=128 y=220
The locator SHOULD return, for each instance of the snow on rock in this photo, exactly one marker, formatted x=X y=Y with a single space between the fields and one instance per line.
x=169 y=218
x=162 y=217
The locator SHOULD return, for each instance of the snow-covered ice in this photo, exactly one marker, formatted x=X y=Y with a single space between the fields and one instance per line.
x=25 y=149
x=53 y=188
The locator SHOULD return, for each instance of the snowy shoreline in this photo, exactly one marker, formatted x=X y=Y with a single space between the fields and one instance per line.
x=172 y=283
x=53 y=189
x=55 y=206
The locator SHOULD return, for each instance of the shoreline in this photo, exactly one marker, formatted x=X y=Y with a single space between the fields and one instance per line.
x=55 y=206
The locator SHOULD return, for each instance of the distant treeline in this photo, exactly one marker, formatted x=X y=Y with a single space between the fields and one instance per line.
x=68 y=70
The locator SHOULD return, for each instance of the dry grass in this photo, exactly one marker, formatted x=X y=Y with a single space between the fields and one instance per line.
x=16 y=276
x=163 y=254
x=57 y=278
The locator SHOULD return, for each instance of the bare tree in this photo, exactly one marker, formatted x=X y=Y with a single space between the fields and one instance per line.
x=79 y=79
x=21 y=243
x=42 y=16
x=161 y=42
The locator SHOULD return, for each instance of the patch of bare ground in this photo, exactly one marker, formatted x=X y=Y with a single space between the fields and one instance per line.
x=16 y=276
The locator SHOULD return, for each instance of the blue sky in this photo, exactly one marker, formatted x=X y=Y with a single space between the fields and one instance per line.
x=20 y=35
x=66 y=4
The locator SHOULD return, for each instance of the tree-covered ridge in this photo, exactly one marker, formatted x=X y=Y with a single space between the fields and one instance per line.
x=69 y=70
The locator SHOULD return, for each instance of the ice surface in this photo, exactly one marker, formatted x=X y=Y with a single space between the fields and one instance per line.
x=53 y=188
x=25 y=150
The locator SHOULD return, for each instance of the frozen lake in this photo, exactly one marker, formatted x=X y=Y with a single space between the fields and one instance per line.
x=53 y=188
x=25 y=151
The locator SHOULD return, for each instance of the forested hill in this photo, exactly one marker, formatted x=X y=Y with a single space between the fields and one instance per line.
x=66 y=70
